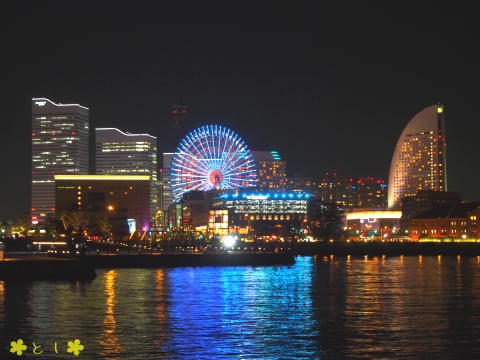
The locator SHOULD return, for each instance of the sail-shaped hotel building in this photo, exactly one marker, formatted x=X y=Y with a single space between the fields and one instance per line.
x=419 y=159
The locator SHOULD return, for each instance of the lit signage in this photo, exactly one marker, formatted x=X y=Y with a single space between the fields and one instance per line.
x=132 y=226
x=257 y=197
x=370 y=216
x=40 y=103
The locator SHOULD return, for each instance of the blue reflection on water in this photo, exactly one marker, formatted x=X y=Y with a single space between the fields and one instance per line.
x=233 y=312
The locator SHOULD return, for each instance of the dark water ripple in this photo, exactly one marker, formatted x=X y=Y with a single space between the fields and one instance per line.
x=320 y=308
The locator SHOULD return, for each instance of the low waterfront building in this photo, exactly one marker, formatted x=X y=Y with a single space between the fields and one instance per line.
x=124 y=197
x=262 y=213
x=449 y=222
x=372 y=223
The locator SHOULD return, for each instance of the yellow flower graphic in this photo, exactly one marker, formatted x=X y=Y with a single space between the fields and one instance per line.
x=75 y=347
x=18 y=347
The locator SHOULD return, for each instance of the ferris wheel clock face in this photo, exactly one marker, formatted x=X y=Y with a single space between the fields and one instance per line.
x=212 y=157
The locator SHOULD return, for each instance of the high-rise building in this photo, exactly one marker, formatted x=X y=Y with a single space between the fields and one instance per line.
x=370 y=192
x=179 y=124
x=166 y=192
x=337 y=189
x=60 y=134
x=123 y=153
x=301 y=184
x=419 y=159
x=271 y=170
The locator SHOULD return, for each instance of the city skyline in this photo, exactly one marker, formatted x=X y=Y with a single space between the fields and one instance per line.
x=111 y=134
x=344 y=97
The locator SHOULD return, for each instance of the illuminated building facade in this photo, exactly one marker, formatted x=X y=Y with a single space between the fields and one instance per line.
x=60 y=138
x=123 y=153
x=271 y=206
x=449 y=222
x=271 y=170
x=419 y=159
x=370 y=193
x=373 y=223
x=264 y=213
x=165 y=190
x=302 y=184
x=120 y=196
x=337 y=189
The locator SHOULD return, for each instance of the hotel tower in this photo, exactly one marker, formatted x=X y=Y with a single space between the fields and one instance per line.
x=419 y=161
x=59 y=146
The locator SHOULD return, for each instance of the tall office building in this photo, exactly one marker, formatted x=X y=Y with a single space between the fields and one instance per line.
x=123 y=153
x=179 y=124
x=333 y=188
x=166 y=193
x=303 y=184
x=370 y=192
x=271 y=170
x=60 y=134
x=419 y=159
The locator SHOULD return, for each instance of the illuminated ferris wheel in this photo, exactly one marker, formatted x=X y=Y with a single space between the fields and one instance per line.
x=211 y=157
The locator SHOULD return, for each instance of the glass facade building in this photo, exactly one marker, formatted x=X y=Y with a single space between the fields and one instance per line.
x=419 y=159
x=60 y=134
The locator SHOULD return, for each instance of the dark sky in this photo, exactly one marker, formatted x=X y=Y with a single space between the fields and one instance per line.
x=329 y=87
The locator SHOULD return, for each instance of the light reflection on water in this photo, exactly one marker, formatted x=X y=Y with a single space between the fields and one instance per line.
x=322 y=307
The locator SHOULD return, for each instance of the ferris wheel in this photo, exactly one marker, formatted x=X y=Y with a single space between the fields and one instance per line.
x=211 y=157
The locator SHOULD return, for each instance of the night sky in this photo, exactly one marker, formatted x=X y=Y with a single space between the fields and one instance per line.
x=329 y=87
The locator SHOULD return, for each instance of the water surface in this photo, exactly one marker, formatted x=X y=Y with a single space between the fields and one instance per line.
x=319 y=308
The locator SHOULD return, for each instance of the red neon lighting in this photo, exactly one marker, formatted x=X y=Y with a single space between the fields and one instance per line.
x=54 y=133
x=33 y=134
x=73 y=133
x=184 y=111
x=53 y=209
x=33 y=209
x=174 y=111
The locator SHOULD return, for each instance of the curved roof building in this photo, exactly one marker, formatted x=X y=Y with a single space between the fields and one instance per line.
x=419 y=161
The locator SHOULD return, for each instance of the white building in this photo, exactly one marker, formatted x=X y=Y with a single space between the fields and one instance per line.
x=60 y=134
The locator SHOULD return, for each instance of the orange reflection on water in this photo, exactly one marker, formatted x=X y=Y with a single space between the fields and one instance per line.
x=2 y=297
x=161 y=312
x=160 y=292
x=110 y=339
